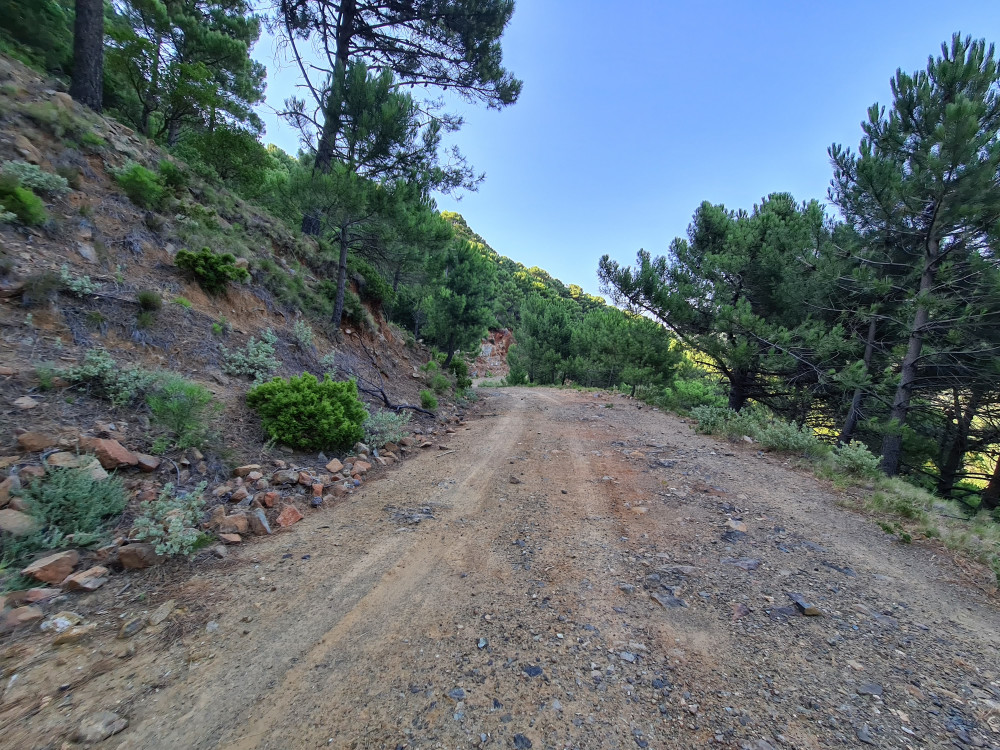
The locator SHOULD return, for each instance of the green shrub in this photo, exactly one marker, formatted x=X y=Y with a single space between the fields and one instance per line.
x=855 y=459
x=35 y=178
x=428 y=400
x=683 y=395
x=440 y=384
x=184 y=408
x=787 y=437
x=105 y=378
x=149 y=300
x=384 y=427
x=256 y=360
x=27 y=207
x=357 y=312
x=220 y=327
x=145 y=319
x=183 y=302
x=172 y=175
x=375 y=287
x=302 y=332
x=172 y=521
x=518 y=373
x=310 y=414
x=142 y=186
x=71 y=502
x=460 y=368
x=211 y=270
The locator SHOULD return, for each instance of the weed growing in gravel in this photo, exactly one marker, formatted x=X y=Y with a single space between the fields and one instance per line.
x=102 y=376
x=183 y=302
x=171 y=521
x=383 y=427
x=79 y=286
x=302 y=332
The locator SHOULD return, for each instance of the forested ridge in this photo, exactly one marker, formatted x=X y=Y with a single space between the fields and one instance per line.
x=865 y=325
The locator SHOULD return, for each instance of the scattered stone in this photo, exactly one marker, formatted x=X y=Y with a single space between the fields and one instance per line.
x=61 y=621
x=361 y=468
x=740 y=611
x=289 y=516
x=270 y=498
x=21 y=616
x=482 y=643
x=25 y=402
x=18 y=523
x=258 y=523
x=865 y=734
x=87 y=580
x=229 y=539
x=514 y=480
x=809 y=610
x=99 y=726
x=138 y=555
x=335 y=466
x=54 y=568
x=162 y=612
x=533 y=670
x=8 y=485
x=67 y=460
x=736 y=525
x=27 y=150
x=74 y=634
x=457 y=694
x=521 y=742
x=131 y=627
x=40 y=594
x=234 y=524
x=240 y=493
x=870 y=688
x=668 y=601
x=242 y=471
x=285 y=476
x=734 y=536
x=219 y=551
x=147 y=463
x=111 y=453
x=628 y=656
x=36 y=441
x=743 y=563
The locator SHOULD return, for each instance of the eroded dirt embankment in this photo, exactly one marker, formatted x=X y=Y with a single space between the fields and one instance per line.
x=571 y=575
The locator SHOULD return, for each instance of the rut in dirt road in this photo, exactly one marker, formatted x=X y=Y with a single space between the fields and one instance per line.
x=580 y=577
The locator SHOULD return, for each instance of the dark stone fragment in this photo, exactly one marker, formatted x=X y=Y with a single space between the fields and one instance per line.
x=521 y=742
x=533 y=670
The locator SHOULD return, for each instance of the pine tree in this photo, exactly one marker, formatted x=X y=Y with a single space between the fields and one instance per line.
x=88 y=54
x=925 y=182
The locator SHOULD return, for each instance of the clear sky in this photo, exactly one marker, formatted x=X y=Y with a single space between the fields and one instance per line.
x=634 y=112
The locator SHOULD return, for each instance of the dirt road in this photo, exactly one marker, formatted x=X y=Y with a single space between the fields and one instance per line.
x=571 y=576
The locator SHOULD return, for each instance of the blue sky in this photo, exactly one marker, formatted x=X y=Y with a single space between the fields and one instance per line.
x=628 y=120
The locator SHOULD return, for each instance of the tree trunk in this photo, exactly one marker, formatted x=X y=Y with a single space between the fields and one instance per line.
x=338 y=305
x=892 y=443
x=87 y=86
x=854 y=413
x=451 y=351
x=990 y=499
x=738 y=390
x=959 y=445
x=173 y=132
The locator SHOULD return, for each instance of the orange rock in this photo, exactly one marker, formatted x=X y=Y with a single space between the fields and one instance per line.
x=360 y=467
x=270 y=498
x=334 y=466
x=36 y=441
x=54 y=568
x=230 y=538
x=317 y=490
x=147 y=463
x=234 y=524
x=289 y=516
x=111 y=453
x=242 y=471
x=138 y=555
x=87 y=580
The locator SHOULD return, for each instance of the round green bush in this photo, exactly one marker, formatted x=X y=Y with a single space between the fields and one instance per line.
x=211 y=270
x=310 y=414
x=428 y=400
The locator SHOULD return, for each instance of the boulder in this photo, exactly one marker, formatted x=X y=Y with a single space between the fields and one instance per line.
x=17 y=523
x=54 y=568
x=111 y=453
x=270 y=498
x=361 y=468
x=67 y=460
x=240 y=493
x=99 y=726
x=25 y=402
x=138 y=555
x=285 y=476
x=87 y=580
